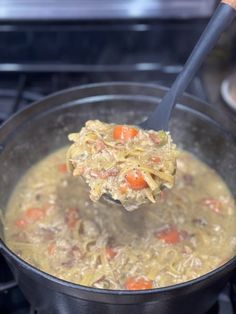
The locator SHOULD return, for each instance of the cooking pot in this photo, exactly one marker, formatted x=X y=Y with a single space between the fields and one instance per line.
x=43 y=127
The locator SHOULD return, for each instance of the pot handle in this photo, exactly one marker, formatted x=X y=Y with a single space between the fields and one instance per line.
x=9 y=284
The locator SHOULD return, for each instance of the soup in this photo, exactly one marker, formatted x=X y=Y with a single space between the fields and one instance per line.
x=52 y=224
x=129 y=164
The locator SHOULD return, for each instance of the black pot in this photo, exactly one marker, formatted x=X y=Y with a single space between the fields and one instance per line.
x=43 y=127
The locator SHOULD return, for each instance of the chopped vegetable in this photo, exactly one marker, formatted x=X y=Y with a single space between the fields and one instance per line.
x=136 y=180
x=21 y=223
x=63 y=168
x=34 y=213
x=139 y=283
x=123 y=132
x=169 y=236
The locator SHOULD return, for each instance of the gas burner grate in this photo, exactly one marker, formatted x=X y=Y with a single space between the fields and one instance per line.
x=11 y=100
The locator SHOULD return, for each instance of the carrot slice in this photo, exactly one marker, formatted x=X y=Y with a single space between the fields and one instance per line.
x=21 y=223
x=111 y=252
x=72 y=217
x=136 y=180
x=34 y=213
x=62 y=168
x=138 y=283
x=123 y=132
x=170 y=236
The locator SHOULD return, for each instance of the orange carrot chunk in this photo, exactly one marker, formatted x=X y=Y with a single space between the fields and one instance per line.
x=136 y=180
x=21 y=223
x=123 y=132
x=62 y=168
x=34 y=213
x=138 y=283
x=169 y=236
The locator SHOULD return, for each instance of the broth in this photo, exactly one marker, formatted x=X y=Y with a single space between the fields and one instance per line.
x=51 y=223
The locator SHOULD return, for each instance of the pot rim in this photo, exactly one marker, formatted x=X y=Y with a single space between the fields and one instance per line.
x=229 y=265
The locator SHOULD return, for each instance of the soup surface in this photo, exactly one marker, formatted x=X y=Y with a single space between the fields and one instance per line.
x=52 y=224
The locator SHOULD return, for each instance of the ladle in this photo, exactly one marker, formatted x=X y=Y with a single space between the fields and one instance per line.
x=223 y=16
x=159 y=118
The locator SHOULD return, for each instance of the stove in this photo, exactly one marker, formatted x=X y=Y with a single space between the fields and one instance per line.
x=37 y=59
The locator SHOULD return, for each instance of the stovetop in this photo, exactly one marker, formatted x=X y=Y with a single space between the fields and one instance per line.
x=32 y=67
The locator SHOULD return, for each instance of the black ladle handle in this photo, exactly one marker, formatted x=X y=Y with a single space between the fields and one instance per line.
x=222 y=17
